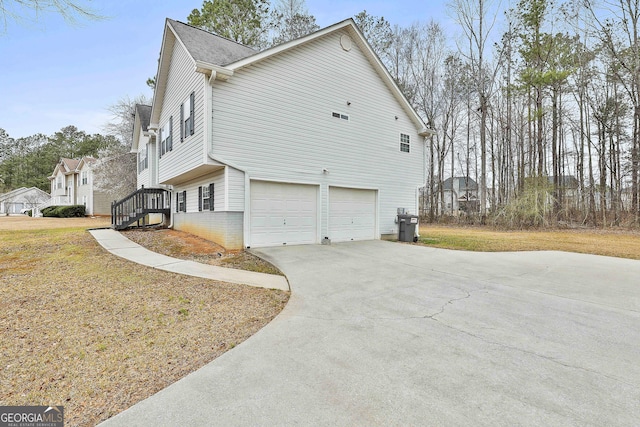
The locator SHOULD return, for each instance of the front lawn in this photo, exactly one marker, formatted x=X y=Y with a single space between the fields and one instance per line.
x=95 y=333
x=617 y=243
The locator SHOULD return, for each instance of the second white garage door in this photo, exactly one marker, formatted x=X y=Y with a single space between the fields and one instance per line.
x=352 y=214
x=283 y=214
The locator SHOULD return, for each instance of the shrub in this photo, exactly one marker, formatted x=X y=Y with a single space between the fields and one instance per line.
x=64 y=211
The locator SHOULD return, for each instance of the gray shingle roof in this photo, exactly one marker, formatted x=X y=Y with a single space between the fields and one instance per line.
x=144 y=112
x=208 y=47
x=462 y=183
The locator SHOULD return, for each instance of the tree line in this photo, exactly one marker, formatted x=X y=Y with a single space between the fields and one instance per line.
x=538 y=103
x=29 y=161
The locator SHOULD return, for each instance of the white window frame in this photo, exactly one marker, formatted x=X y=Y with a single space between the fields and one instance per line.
x=206 y=198
x=181 y=202
x=405 y=143
x=84 y=178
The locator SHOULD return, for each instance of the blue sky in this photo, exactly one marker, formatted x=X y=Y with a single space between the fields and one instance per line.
x=53 y=74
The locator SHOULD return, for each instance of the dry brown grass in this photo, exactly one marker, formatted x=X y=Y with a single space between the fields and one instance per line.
x=617 y=243
x=95 y=333
x=24 y=222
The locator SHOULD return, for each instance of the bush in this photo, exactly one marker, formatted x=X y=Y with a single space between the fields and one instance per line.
x=64 y=211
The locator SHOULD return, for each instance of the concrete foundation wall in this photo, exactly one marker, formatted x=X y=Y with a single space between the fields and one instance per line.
x=224 y=227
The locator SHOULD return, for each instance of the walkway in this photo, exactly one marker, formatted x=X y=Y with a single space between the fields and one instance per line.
x=119 y=245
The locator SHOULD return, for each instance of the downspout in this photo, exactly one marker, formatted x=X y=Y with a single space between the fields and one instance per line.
x=209 y=135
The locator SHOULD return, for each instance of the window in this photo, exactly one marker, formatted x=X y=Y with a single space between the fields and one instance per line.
x=84 y=178
x=143 y=159
x=166 y=137
x=187 y=117
x=206 y=198
x=404 y=143
x=59 y=182
x=340 y=116
x=181 y=201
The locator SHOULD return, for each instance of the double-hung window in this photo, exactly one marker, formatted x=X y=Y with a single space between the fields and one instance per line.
x=59 y=183
x=405 y=143
x=187 y=117
x=181 y=201
x=143 y=159
x=84 y=178
x=206 y=198
x=166 y=137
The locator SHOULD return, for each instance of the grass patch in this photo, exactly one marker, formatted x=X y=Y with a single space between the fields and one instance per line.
x=622 y=244
x=95 y=333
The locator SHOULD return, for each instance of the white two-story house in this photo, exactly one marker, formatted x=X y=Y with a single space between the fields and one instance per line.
x=72 y=183
x=307 y=141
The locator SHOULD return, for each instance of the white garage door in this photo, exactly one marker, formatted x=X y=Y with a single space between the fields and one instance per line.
x=352 y=214
x=283 y=214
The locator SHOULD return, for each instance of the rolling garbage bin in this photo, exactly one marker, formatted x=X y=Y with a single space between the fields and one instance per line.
x=407 y=228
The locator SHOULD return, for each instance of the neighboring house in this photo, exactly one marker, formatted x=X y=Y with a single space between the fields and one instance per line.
x=306 y=141
x=460 y=194
x=17 y=201
x=72 y=183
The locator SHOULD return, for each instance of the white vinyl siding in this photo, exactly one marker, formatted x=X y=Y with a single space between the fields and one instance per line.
x=149 y=154
x=235 y=191
x=274 y=119
x=181 y=82
x=191 y=188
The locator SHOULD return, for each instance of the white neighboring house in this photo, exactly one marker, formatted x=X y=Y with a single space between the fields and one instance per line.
x=22 y=199
x=306 y=141
x=72 y=183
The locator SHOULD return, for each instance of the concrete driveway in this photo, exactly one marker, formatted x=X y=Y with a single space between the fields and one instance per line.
x=380 y=333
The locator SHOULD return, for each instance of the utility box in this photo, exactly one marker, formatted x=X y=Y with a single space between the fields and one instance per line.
x=407 y=228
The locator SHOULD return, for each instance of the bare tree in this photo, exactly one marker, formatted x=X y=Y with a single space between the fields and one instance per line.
x=21 y=10
x=116 y=172
x=477 y=18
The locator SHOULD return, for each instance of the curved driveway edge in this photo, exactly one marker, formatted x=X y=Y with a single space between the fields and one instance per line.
x=119 y=245
x=380 y=333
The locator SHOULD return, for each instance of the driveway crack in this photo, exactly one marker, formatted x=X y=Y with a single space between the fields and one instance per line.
x=450 y=302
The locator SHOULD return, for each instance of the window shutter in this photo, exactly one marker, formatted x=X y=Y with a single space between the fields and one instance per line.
x=211 y=197
x=199 y=198
x=177 y=203
x=181 y=122
x=192 y=101
x=184 y=197
x=160 y=141
x=170 y=139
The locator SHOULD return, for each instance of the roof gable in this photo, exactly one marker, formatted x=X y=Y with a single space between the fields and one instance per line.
x=219 y=57
x=140 y=124
x=350 y=26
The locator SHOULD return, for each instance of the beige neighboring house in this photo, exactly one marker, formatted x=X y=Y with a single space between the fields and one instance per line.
x=72 y=183
x=22 y=199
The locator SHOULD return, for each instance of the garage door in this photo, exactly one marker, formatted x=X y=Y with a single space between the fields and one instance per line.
x=352 y=214
x=283 y=214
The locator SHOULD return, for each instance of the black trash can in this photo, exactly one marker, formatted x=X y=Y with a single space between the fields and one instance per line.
x=407 y=228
